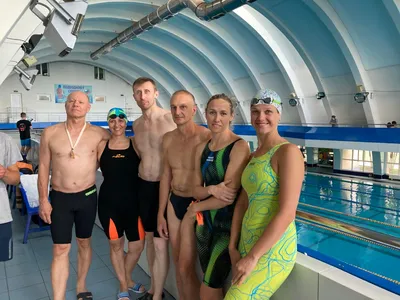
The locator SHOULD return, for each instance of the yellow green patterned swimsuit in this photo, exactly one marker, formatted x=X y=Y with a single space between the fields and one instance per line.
x=262 y=186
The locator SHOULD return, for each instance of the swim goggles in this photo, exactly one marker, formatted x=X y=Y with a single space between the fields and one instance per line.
x=267 y=96
x=117 y=112
x=267 y=100
x=114 y=116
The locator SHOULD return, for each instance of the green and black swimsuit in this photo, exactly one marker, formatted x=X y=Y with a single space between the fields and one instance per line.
x=213 y=236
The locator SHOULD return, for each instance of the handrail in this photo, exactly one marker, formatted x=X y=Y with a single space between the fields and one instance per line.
x=59 y=116
x=11 y=117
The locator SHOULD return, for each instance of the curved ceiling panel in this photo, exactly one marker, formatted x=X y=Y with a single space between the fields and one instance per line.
x=303 y=25
x=309 y=32
x=373 y=31
x=301 y=46
x=250 y=46
x=93 y=27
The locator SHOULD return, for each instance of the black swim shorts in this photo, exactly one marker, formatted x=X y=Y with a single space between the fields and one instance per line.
x=69 y=208
x=148 y=200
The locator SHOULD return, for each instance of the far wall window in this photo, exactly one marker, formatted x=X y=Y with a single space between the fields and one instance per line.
x=392 y=163
x=99 y=73
x=357 y=160
x=43 y=69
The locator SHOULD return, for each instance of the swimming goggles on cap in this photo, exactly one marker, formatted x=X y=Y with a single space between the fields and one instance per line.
x=117 y=112
x=114 y=116
x=267 y=100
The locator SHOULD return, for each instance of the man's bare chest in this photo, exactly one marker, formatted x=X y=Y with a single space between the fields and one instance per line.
x=61 y=146
x=181 y=153
x=148 y=136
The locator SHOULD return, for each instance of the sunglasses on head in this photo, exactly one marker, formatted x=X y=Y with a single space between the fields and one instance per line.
x=114 y=116
x=267 y=100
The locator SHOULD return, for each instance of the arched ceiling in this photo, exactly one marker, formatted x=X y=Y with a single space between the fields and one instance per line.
x=301 y=46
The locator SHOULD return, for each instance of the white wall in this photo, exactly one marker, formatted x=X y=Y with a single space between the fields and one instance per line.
x=386 y=83
x=341 y=99
x=116 y=91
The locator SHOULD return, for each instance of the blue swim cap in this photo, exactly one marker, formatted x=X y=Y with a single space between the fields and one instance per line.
x=117 y=112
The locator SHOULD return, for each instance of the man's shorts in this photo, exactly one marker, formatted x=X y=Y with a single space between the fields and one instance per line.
x=148 y=199
x=69 y=208
x=26 y=143
x=6 y=242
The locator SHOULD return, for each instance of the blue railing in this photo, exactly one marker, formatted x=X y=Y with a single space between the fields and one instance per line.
x=348 y=134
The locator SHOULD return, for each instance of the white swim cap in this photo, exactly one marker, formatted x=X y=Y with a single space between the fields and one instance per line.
x=267 y=96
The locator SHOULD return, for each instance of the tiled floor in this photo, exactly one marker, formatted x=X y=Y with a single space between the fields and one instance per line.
x=27 y=275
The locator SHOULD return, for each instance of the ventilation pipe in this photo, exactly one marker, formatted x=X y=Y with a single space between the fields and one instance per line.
x=204 y=11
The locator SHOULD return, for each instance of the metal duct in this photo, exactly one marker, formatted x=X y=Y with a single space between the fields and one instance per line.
x=162 y=13
x=214 y=10
x=204 y=11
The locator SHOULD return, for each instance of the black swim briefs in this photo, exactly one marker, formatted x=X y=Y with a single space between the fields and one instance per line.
x=180 y=205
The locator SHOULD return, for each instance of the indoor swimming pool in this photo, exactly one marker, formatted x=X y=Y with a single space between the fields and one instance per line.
x=360 y=207
x=366 y=206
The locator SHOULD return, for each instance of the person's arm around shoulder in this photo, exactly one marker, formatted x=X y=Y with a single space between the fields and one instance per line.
x=135 y=146
x=165 y=186
x=45 y=207
x=104 y=133
x=228 y=189
x=100 y=149
x=291 y=174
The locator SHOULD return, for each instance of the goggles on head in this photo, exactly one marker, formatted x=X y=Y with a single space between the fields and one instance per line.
x=267 y=100
x=117 y=113
x=267 y=96
x=114 y=116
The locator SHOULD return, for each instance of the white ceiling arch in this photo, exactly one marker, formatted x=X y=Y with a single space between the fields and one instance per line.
x=308 y=48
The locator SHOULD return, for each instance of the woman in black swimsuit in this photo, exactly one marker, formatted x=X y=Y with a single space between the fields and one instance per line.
x=118 y=213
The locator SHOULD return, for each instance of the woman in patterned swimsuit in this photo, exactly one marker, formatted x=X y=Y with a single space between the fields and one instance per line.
x=266 y=208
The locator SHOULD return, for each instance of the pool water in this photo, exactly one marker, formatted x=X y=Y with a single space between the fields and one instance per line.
x=360 y=203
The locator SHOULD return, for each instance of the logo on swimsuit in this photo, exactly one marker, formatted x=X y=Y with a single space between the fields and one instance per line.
x=90 y=192
x=118 y=156
x=210 y=158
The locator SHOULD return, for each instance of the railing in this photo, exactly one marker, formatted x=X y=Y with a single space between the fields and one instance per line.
x=13 y=117
x=10 y=116
x=359 y=125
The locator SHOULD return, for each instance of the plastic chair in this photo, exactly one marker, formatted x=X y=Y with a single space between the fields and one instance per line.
x=31 y=211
